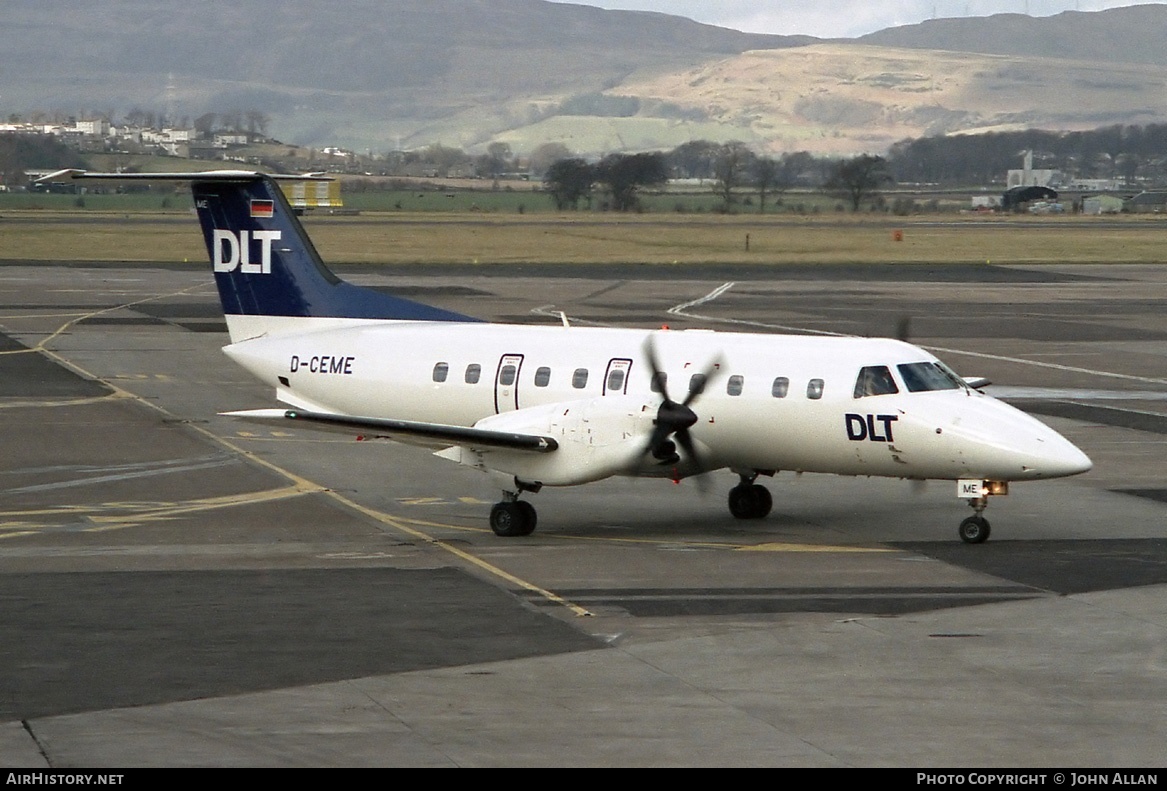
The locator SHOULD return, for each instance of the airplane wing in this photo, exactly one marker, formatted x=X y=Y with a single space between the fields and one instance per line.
x=438 y=434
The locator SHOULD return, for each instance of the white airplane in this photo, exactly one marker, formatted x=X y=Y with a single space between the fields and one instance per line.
x=562 y=405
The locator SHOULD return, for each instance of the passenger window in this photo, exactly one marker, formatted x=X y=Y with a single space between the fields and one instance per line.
x=616 y=380
x=697 y=384
x=579 y=379
x=506 y=377
x=814 y=389
x=473 y=373
x=875 y=380
x=734 y=386
x=441 y=371
x=780 y=387
x=660 y=382
x=542 y=377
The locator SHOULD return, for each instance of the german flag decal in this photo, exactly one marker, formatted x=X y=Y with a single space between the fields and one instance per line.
x=262 y=208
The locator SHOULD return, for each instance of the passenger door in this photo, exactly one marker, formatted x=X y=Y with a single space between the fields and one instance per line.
x=506 y=383
x=616 y=377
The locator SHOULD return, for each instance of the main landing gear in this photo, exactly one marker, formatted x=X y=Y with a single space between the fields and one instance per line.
x=749 y=500
x=514 y=517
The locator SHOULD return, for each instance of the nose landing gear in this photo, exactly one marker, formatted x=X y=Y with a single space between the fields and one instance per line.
x=975 y=529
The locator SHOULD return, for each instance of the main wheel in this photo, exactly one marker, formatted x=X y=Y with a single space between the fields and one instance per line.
x=974 y=530
x=750 y=501
x=509 y=519
x=530 y=518
x=765 y=501
x=741 y=501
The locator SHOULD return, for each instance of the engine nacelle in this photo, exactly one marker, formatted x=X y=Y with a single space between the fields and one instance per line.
x=598 y=438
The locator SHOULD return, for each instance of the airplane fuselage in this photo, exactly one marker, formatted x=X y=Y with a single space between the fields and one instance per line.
x=773 y=402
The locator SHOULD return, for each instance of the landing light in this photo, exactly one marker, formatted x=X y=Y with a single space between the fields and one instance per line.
x=973 y=489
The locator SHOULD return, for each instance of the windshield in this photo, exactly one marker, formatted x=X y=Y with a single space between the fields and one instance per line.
x=875 y=380
x=922 y=377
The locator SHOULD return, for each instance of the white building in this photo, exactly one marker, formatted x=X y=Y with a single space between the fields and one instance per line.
x=1028 y=177
x=97 y=127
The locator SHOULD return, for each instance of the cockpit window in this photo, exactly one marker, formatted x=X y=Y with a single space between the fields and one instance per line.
x=922 y=377
x=875 y=380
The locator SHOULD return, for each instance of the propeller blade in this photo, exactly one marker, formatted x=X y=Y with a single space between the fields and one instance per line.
x=685 y=440
x=699 y=477
x=904 y=329
x=658 y=376
x=708 y=375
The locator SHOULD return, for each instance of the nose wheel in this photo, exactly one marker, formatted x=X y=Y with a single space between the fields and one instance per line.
x=975 y=529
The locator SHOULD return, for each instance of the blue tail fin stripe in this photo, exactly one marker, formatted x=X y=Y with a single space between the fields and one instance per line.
x=264 y=262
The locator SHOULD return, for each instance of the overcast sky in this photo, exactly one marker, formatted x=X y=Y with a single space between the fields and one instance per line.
x=844 y=18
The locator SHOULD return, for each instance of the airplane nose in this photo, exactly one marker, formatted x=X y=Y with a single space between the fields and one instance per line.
x=1061 y=459
x=1040 y=451
x=999 y=442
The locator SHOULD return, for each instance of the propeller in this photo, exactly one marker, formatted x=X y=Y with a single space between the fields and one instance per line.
x=904 y=329
x=673 y=419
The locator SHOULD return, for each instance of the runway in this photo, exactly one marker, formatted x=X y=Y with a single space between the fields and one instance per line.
x=182 y=589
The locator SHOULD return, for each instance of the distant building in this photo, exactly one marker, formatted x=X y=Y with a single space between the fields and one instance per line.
x=96 y=127
x=1102 y=204
x=167 y=136
x=1094 y=185
x=1028 y=177
x=1150 y=202
x=1033 y=178
x=1016 y=198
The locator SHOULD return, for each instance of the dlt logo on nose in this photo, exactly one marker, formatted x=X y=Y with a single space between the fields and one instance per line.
x=861 y=427
x=231 y=251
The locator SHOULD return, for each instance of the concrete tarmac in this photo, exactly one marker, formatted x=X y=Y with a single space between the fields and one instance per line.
x=181 y=589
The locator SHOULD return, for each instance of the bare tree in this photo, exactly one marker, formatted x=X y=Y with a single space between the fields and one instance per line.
x=569 y=180
x=624 y=174
x=694 y=159
x=444 y=158
x=731 y=168
x=858 y=179
x=497 y=159
x=546 y=155
x=767 y=179
x=257 y=122
x=205 y=124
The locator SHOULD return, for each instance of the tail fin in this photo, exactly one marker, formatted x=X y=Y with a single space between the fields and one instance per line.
x=266 y=267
